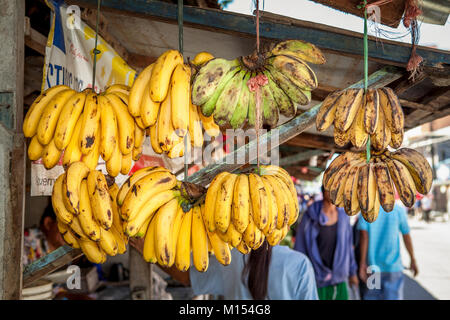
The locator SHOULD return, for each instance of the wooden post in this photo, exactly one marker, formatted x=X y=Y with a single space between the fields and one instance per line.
x=12 y=147
x=140 y=276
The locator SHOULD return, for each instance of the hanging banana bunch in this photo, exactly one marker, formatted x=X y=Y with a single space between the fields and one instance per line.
x=357 y=116
x=82 y=126
x=160 y=97
x=87 y=213
x=245 y=209
x=357 y=186
x=221 y=86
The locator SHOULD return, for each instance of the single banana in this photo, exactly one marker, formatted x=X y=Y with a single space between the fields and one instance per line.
x=76 y=172
x=211 y=128
x=296 y=70
x=167 y=138
x=199 y=241
x=392 y=110
x=139 y=136
x=149 y=109
x=148 y=211
x=176 y=231
x=299 y=49
x=358 y=133
x=145 y=189
x=233 y=235
x=385 y=187
x=138 y=91
x=90 y=123
x=195 y=127
x=211 y=198
x=350 y=196
x=100 y=199
x=367 y=190
x=282 y=200
x=180 y=98
x=396 y=139
x=243 y=247
x=72 y=153
x=122 y=88
x=183 y=248
x=92 y=251
x=348 y=104
x=252 y=234
x=224 y=200
x=76 y=229
x=68 y=119
x=61 y=212
x=86 y=217
x=35 y=149
x=162 y=72
x=114 y=164
x=259 y=200
x=327 y=112
x=202 y=57
x=371 y=111
x=137 y=153
x=418 y=167
x=241 y=203
x=274 y=238
x=71 y=240
x=403 y=181
x=50 y=115
x=163 y=233
x=121 y=244
x=108 y=128
x=269 y=107
x=154 y=139
x=34 y=114
x=341 y=138
x=272 y=204
x=149 y=252
x=91 y=159
x=51 y=155
x=131 y=181
x=127 y=162
x=240 y=112
x=108 y=242
x=125 y=123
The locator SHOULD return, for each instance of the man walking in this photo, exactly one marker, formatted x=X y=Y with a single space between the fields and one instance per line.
x=380 y=249
x=325 y=236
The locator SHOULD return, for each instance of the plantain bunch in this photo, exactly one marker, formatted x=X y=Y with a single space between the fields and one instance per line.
x=87 y=212
x=225 y=89
x=357 y=116
x=245 y=209
x=82 y=126
x=160 y=98
x=357 y=186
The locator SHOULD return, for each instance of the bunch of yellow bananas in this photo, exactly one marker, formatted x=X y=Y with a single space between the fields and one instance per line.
x=87 y=213
x=84 y=125
x=221 y=87
x=357 y=186
x=244 y=209
x=356 y=116
x=160 y=98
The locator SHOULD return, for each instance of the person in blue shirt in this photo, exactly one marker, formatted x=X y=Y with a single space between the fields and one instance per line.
x=325 y=236
x=380 y=249
x=275 y=273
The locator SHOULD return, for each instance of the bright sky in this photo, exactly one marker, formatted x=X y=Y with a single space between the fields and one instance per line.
x=430 y=35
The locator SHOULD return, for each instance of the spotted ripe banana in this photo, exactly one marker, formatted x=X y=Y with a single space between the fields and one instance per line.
x=199 y=241
x=403 y=181
x=371 y=110
x=241 y=203
x=86 y=217
x=183 y=247
x=76 y=172
x=180 y=98
x=164 y=247
x=90 y=123
x=300 y=49
x=61 y=212
x=149 y=252
x=125 y=123
x=162 y=72
x=100 y=198
x=327 y=112
x=259 y=200
x=72 y=153
x=224 y=200
x=139 y=90
x=51 y=155
x=385 y=187
x=68 y=119
x=92 y=251
x=108 y=125
x=33 y=116
x=108 y=242
x=211 y=198
x=348 y=104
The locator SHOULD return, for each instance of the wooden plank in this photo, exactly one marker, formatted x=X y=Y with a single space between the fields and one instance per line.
x=49 y=263
x=325 y=37
x=301 y=156
x=286 y=131
x=308 y=140
x=415 y=105
x=204 y=176
x=34 y=39
x=390 y=13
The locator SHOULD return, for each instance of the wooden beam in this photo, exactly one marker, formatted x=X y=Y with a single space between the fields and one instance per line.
x=415 y=105
x=325 y=37
x=49 y=263
x=286 y=131
x=34 y=39
x=308 y=140
x=301 y=156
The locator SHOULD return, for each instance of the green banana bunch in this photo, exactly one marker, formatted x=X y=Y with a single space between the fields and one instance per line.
x=225 y=88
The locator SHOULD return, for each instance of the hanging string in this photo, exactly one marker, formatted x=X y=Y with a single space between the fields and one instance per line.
x=366 y=71
x=96 y=51
x=180 y=48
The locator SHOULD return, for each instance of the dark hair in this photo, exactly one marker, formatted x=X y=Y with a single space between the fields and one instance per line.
x=48 y=212
x=323 y=189
x=256 y=271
